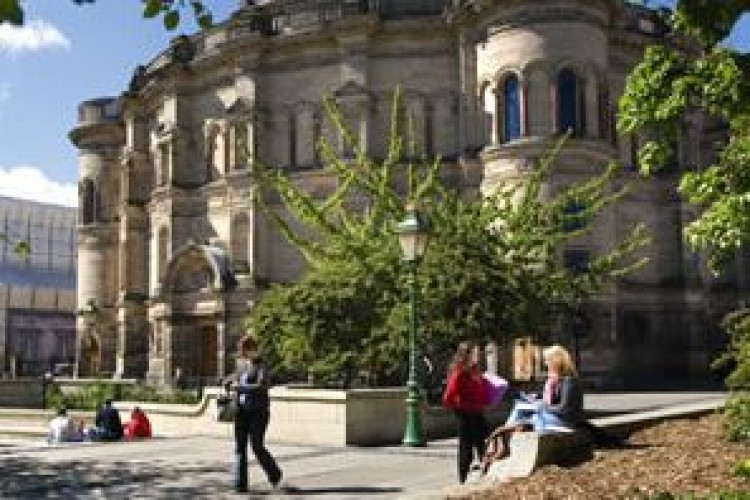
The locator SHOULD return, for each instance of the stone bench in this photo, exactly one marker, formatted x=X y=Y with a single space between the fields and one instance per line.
x=531 y=450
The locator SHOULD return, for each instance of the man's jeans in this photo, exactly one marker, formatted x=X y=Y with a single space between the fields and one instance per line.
x=252 y=425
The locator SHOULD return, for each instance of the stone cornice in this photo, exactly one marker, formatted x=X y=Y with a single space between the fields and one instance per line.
x=232 y=51
x=106 y=133
x=592 y=149
x=479 y=13
x=521 y=19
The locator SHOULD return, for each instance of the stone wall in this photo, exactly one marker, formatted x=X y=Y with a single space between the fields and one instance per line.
x=358 y=417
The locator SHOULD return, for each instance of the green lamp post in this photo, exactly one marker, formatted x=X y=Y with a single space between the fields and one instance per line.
x=412 y=236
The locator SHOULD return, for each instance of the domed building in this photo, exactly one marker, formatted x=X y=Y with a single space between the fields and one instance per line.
x=173 y=249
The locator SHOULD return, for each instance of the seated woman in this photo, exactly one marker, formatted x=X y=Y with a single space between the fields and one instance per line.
x=560 y=408
x=62 y=429
x=138 y=426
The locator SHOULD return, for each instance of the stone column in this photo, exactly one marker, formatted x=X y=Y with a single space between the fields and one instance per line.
x=469 y=125
x=132 y=342
x=167 y=331
x=221 y=334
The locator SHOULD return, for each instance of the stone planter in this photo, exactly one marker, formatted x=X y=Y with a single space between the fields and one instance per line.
x=311 y=416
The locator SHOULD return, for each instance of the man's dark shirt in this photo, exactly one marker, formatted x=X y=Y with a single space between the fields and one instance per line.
x=108 y=419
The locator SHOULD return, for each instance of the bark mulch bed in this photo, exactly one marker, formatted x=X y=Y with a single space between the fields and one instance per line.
x=687 y=458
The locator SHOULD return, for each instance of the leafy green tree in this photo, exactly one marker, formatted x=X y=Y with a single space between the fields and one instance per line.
x=709 y=78
x=673 y=82
x=491 y=270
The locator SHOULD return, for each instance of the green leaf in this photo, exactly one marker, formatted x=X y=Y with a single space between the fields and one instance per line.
x=198 y=7
x=151 y=8
x=171 y=19
x=205 y=20
x=11 y=12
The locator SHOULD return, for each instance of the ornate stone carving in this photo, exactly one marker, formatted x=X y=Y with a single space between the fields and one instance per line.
x=215 y=151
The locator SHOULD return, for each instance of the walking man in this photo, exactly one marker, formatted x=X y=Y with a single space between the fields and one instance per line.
x=250 y=382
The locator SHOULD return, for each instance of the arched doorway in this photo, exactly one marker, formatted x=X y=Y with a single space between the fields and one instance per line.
x=195 y=281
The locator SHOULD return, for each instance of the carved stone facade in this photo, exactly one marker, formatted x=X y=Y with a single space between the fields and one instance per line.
x=173 y=249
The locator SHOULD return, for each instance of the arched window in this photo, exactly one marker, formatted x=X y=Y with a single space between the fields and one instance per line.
x=511 y=109
x=87 y=193
x=570 y=110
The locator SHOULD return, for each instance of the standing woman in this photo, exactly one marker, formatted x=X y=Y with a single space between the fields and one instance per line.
x=464 y=394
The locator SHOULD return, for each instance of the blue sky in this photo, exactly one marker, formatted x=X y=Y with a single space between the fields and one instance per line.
x=66 y=54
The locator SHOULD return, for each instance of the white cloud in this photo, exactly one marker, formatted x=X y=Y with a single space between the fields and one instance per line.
x=32 y=36
x=30 y=183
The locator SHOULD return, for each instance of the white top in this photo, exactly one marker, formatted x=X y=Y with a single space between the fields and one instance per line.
x=62 y=429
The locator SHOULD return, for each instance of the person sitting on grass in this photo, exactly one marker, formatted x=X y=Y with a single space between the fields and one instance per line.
x=62 y=429
x=559 y=409
x=138 y=426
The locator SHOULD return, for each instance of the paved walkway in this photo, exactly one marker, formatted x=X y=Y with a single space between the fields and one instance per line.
x=198 y=467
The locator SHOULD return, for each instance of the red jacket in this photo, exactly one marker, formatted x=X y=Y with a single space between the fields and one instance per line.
x=138 y=426
x=465 y=391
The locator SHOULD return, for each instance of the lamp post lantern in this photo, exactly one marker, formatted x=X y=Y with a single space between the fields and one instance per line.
x=412 y=236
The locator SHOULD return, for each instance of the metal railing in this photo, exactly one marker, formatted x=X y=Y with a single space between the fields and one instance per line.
x=300 y=15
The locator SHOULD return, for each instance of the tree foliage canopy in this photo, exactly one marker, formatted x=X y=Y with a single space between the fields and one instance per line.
x=491 y=271
x=699 y=75
x=711 y=79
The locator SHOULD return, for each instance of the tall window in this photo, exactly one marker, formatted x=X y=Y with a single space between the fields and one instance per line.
x=570 y=108
x=576 y=260
x=574 y=216
x=87 y=192
x=511 y=109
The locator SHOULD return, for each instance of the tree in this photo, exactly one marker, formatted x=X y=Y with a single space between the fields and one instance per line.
x=677 y=80
x=701 y=75
x=491 y=270
x=11 y=11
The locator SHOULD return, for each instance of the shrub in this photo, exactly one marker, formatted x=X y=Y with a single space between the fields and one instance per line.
x=737 y=358
x=90 y=396
x=737 y=416
x=742 y=469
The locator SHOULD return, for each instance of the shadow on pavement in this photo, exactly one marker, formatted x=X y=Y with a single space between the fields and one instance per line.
x=340 y=490
x=30 y=477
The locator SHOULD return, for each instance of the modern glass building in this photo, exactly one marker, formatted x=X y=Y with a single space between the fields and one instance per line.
x=37 y=290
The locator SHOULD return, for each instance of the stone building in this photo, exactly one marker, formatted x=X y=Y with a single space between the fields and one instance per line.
x=38 y=289
x=173 y=249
